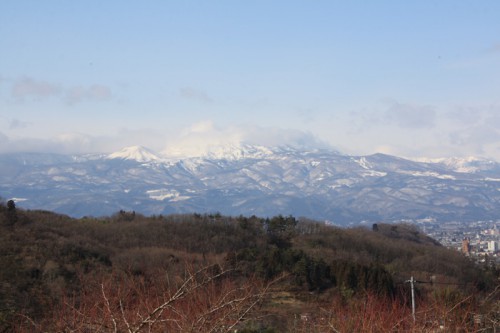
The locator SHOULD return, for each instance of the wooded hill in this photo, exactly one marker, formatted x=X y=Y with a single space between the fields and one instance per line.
x=213 y=273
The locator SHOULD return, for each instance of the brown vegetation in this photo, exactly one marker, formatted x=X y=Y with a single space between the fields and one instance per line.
x=210 y=273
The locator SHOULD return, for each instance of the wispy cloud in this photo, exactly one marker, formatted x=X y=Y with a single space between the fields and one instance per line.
x=95 y=92
x=71 y=143
x=480 y=139
x=16 y=123
x=403 y=115
x=477 y=129
x=200 y=137
x=274 y=136
x=81 y=143
x=195 y=95
x=64 y=143
x=465 y=115
x=29 y=88
x=205 y=135
x=411 y=116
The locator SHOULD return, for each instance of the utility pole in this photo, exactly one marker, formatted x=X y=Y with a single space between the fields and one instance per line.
x=412 y=284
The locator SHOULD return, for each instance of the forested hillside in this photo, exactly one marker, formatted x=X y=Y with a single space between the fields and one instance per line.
x=213 y=273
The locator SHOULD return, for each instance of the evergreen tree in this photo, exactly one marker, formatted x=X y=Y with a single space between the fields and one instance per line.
x=11 y=212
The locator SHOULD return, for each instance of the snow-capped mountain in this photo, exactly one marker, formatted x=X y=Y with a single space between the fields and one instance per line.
x=243 y=179
x=135 y=153
x=467 y=165
x=235 y=152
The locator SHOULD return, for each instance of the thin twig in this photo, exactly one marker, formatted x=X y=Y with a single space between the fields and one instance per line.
x=115 y=326
x=180 y=293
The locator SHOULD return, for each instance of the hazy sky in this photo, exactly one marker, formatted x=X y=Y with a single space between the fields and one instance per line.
x=414 y=79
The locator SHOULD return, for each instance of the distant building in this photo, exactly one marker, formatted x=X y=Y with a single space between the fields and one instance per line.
x=495 y=231
x=492 y=246
x=466 y=246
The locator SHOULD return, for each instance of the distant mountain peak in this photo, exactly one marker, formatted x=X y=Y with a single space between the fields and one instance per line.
x=237 y=151
x=228 y=151
x=469 y=164
x=135 y=153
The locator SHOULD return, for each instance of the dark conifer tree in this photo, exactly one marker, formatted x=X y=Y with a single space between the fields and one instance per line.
x=11 y=212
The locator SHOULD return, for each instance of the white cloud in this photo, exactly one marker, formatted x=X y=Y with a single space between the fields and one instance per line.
x=202 y=127
x=200 y=137
x=194 y=140
x=273 y=136
x=386 y=149
x=80 y=143
x=410 y=130
x=445 y=139
x=204 y=136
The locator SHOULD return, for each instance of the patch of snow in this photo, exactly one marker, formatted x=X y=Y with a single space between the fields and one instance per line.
x=469 y=164
x=428 y=174
x=60 y=179
x=237 y=151
x=492 y=179
x=135 y=153
x=373 y=173
x=19 y=199
x=239 y=203
x=342 y=182
x=230 y=151
x=53 y=171
x=76 y=171
x=166 y=194
x=363 y=163
x=162 y=194
x=180 y=198
x=455 y=201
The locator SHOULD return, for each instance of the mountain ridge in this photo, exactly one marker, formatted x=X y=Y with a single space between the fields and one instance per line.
x=254 y=180
x=135 y=153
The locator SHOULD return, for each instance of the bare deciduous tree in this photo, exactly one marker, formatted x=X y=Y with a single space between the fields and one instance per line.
x=205 y=300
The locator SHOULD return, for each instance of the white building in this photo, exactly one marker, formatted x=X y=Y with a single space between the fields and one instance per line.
x=492 y=246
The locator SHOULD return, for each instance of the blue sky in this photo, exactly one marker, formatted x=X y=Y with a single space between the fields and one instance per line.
x=414 y=79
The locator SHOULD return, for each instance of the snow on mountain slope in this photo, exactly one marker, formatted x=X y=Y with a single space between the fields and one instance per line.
x=243 y=179
x=135 y=153
x=235 y=152
x=231 y=151
x=463 y=165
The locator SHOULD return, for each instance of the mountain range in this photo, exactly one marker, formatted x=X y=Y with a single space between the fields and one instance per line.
x=320 y=184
